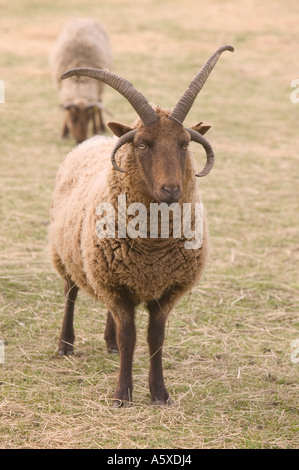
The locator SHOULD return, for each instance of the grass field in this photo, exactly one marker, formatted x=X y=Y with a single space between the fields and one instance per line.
x=230 y=359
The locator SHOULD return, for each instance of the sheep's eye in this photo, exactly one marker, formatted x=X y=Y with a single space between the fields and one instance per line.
x=185 y=146
x=142 y=146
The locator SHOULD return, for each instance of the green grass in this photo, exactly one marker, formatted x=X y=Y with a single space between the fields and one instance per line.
x=227 y=354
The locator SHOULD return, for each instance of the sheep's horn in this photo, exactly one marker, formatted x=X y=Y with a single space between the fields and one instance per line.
x=185 y=103
x=197 y=137
x=124 y=87
x=124 y=139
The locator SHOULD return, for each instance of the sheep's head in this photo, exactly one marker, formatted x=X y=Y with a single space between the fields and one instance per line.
x=160 y=152
x=78 y=115
x=160 y=144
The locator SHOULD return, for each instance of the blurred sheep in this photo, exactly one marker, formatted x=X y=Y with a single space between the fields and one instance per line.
x=82 y=42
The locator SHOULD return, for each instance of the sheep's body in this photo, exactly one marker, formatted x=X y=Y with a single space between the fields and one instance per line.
x=82 y=43
x=147 y=268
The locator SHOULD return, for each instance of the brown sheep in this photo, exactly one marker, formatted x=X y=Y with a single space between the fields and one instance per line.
x=155 y=168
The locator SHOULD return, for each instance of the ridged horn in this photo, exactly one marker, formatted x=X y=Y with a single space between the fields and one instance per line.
x=124 y=139
x=124 y=87
x=185 y=103
x=200 y=139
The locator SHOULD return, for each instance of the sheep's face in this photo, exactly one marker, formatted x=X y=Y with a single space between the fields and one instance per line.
x=161 y=156
x=161 y=152
x=77 y=119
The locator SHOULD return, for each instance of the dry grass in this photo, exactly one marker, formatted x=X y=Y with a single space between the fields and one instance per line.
x=228 y=348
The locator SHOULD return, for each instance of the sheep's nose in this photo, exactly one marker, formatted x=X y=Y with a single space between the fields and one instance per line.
x=171 y=192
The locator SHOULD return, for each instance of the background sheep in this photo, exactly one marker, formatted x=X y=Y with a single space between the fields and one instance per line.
x=83 y=42
x=155 y=165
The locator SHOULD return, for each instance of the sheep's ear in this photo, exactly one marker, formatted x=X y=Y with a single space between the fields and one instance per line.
x=201 y=128
x=119 y=129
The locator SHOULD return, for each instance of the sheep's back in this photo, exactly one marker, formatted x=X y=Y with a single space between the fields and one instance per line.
x=82 y=43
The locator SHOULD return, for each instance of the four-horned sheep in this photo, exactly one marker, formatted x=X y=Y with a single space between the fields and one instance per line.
x=151 y=164
x=82 y=42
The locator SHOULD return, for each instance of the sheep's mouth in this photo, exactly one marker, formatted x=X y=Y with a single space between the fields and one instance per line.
x=165 y=195
x=167 y=200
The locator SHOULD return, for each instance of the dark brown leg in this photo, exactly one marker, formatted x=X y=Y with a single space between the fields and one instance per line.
x=126 y=339
x=156 y=333
x=110 y=335
x=158 y=313
x=65 y=129
x=94 y=124
x=67 y=336
x=101 y=121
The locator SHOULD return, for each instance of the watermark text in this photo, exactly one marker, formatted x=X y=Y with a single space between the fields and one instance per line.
x=2 y=91
x=2 y=351
x=294 y=96
x=295 y=351
x=162 y=221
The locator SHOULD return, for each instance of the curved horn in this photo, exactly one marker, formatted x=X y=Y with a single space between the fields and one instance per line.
x=185 y=103
x=124 y=139
x=197 y=137
x=125 y=88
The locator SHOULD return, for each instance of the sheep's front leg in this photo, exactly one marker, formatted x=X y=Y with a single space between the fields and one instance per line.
x=94 y=123
x=158 y=313
x=126 y=339
x=102 y=124
x=67 y=336
x=98 y=125
x=156 y=333
x=65 y=128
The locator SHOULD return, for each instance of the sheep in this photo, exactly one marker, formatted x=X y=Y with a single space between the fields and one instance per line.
x=82 y=42
x=154 y=167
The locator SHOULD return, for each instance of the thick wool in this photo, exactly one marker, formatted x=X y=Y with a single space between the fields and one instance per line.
x=82 y=43
x=103 y=267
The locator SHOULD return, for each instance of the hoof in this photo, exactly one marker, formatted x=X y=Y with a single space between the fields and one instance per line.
x=122 y=398
x=62 y=352
x=112 y=351
x=65 y=348
x=121 y=404
x=167 y=402
x=112 y=347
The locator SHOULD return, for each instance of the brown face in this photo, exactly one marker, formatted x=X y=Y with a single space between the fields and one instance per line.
x=77 y=121
x=161 y=151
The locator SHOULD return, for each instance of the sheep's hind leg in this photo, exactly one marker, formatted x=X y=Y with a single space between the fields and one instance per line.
x=67 y=336
x=110 y=335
